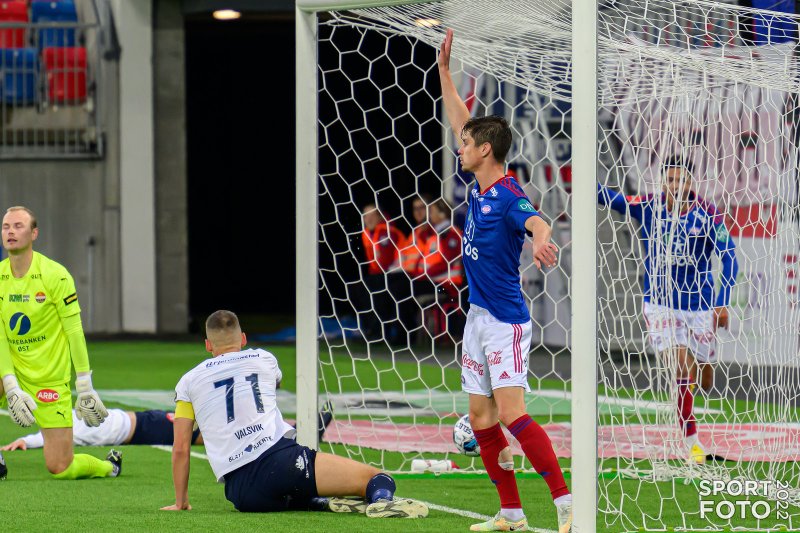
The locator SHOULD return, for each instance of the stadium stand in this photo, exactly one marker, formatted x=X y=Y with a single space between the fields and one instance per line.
x=19 y=68
x=50 y=55
x=58 y=12
x=13 y=11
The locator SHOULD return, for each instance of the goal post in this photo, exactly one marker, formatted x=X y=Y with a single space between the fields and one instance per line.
x=603 y=98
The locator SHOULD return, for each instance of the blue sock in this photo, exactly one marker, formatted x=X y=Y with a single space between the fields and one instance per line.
x=380 y=487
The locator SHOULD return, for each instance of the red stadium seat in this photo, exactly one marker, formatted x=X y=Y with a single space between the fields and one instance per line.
x=13 y=11
x=66 y=74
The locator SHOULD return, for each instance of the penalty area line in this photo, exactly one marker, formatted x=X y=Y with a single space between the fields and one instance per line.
x=434 y=506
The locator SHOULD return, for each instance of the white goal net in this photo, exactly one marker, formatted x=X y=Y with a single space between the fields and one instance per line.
x=708 y=90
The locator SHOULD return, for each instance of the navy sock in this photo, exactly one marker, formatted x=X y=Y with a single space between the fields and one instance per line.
x=380 y=487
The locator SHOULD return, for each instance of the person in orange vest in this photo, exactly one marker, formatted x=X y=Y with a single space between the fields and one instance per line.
x=411 y=252
x=439 y=271
x=384 y=279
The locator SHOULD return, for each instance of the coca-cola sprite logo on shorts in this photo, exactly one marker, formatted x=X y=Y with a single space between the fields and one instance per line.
x=47 y=396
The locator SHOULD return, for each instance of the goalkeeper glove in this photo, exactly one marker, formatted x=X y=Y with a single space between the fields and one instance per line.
x=20 y=404
x=89 y=406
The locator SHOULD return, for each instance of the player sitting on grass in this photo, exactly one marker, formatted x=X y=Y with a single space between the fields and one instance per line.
x=232 y=396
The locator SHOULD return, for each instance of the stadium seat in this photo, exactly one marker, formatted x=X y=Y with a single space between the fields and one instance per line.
x=65 y=69
x=13 y=11
x=63 y=11
x=18 y=75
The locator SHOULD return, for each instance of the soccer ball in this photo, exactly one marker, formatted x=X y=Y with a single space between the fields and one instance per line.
x=464 y=438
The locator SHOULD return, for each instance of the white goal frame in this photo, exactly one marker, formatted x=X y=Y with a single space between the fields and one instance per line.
x=583 y=282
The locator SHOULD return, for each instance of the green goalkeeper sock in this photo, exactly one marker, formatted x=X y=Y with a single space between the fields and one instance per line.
x=85 y=466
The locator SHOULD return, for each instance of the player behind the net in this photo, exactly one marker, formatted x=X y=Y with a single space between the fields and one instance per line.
x=232 y=396
x=681 y=232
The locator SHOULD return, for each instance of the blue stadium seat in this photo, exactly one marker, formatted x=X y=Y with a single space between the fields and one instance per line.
x=19 y=72
x=49 y=11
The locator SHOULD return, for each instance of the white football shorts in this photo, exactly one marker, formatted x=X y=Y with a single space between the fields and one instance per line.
x=667 y=328
x=495 y=354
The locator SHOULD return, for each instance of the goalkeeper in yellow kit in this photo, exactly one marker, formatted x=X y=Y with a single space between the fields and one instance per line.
x=41 y=334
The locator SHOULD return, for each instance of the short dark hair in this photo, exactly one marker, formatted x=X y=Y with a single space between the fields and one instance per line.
x=222 y=321
x=493 y=130
x=675 y=161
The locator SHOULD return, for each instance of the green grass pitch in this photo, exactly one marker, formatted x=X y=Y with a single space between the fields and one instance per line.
x=31 y=501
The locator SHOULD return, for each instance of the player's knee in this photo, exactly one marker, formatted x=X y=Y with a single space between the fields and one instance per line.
x=57 y=465
x=509 y=415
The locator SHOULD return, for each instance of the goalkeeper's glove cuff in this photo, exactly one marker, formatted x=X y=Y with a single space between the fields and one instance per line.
x=83 y=382
x=10 y=382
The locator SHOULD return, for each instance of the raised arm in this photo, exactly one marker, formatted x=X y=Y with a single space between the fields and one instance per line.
x=456 y=110
x=618 y=202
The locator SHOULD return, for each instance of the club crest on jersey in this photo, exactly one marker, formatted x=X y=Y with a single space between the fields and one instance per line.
x=40 y=297
x=486 y=209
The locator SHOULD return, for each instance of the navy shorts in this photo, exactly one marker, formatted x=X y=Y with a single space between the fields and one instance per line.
x=281 y=479
x=155 y=427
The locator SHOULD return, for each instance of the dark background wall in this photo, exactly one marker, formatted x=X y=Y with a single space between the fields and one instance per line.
x=240 y=145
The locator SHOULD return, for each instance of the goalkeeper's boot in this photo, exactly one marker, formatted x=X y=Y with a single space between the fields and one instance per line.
x=501 y=523
x=3 y=468
x=697 y=455
x=397 y=508
x=115 y=458
x=564 y=517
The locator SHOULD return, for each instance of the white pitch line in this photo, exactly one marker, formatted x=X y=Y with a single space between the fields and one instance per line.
x=169 y=449
x=434 y=506
x=475 y=516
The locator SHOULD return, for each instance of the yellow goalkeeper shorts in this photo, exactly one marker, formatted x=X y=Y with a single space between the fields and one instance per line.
x=53 y=404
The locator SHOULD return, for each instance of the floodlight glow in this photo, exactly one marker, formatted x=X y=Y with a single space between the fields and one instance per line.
x=226 y=14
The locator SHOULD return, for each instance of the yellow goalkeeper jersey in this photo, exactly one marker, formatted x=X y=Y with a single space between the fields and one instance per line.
x=31 y=308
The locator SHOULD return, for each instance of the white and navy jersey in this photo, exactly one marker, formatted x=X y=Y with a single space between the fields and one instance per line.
x=112 y=432
x=678 y=250
x=235 y=405
x=494 y=234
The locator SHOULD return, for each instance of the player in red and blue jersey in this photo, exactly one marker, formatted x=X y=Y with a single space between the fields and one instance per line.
x=497 y=335
x=681 y=233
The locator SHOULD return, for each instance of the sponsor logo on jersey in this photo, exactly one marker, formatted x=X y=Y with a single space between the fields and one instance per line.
x=493 y=191
x=20 y=323
x=47 y=396
x=722 y=233
x=249 y=430
x=695 y=230
x=494 y=358
x=300 y=463
x=474 y=193
x=19 y=298
x=525 y=205
x=71 y=298
x=486 y=209
x=471 y=364
x=40 y=297
x=505 y=375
